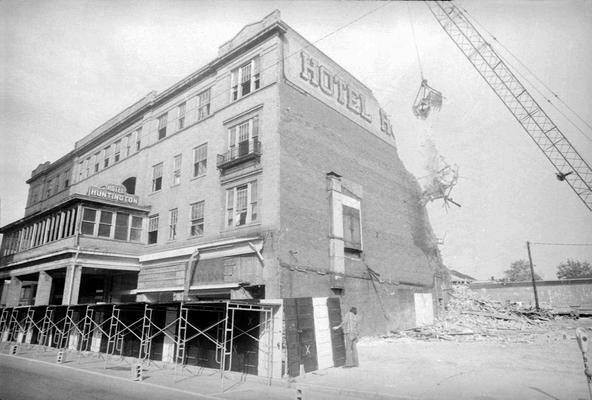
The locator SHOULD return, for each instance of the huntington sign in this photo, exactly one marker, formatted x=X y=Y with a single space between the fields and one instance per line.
x=114 y=193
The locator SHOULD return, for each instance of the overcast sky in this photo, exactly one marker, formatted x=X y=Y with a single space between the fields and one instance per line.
x=68 y=66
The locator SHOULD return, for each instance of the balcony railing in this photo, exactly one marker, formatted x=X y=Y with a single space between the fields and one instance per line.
x=247 y=150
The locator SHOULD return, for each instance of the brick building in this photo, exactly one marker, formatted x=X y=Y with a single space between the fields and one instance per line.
x=271 y=170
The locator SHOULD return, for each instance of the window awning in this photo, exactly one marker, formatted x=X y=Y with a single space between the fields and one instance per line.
x=218 y=249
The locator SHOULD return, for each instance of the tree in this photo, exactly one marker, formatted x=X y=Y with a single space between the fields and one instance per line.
x=574 y=269
x=520 y=271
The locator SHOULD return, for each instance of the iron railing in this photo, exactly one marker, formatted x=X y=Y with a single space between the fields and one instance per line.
x=246 y=150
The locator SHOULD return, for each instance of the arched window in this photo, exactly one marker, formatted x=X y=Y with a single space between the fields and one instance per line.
x=130 y=185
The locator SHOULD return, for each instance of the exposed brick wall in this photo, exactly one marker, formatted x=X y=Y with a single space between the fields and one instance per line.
x=396 y=235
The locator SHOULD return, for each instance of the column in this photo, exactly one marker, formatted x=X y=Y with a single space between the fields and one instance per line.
x=168 y=347
x=43 y=289
x=14 y=292
x=72 y=284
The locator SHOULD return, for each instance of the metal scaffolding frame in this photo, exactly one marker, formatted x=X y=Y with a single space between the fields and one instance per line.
x=73 y=327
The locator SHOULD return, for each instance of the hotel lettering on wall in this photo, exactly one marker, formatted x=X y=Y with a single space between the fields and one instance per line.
x=332 y=85
x=114 y=193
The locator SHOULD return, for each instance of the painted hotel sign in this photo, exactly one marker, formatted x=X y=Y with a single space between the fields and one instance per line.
x=336 y=87
x=114 y=193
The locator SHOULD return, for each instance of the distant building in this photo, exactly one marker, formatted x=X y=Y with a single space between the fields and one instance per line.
x=457 y=277
x=272 y=166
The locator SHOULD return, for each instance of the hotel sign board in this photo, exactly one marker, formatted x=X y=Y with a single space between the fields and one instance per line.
x=114 y=193
x=321 y=77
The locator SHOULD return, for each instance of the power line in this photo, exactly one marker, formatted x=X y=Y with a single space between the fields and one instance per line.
x=561 y=244
x=273 y=65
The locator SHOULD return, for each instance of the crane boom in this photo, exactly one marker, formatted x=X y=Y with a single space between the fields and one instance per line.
x=570 y=166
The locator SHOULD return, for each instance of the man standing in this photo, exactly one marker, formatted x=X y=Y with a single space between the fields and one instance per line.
x=351 y=331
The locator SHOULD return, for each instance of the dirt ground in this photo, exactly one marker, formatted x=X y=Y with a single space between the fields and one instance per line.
x=546 y=364
x=541 y=361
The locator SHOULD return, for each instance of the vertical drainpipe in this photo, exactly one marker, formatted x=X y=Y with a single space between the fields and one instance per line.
x=276 y=245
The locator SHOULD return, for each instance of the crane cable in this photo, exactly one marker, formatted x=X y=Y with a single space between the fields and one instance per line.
x=415 y=41
x=536 y=77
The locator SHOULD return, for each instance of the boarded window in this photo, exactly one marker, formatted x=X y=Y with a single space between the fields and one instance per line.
x=351 y=228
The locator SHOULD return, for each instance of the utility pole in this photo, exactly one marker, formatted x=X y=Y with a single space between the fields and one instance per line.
x=536 y=296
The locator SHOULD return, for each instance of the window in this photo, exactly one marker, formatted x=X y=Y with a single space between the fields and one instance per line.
x=139 y=139
x=203 y=104
x=177 y=169
x=162 y=126
x=242 y=137
x=123 y=230
x=245 y=79
x=130 y=185
x=89 y=217
x=105 y=223
x=121 y=226
x=153 y=229
x=58 y=183
x=67 y=179
x=136 y=229
x=181 y=118
x=88 y=166
x=81 y=169
x=117 y=151
x=200 y=160
x=241 y=204
x=128 y=145
x=157 y=177
x=107 y=153
x=351 y=228
x=97 y=161
x=173 y=216
x=197 y=219
x=48 y=188
x=35 y=196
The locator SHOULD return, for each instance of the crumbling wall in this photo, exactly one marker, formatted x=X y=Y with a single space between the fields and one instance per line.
x=398 y=242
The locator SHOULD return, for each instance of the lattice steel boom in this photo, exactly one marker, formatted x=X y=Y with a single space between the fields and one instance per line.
x=570 y=166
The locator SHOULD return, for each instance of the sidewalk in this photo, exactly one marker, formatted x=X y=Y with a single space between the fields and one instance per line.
x=190 y=380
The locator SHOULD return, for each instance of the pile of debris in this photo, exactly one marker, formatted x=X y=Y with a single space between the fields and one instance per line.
x=471 y=317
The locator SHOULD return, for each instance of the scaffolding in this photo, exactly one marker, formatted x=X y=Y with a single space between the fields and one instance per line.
x=128 y=331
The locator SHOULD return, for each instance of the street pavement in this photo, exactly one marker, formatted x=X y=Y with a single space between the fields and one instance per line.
x=37 y=379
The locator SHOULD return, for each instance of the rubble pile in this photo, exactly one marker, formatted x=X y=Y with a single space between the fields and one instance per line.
x=470 y=317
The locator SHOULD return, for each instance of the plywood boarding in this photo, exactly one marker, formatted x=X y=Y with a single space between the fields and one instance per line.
x=424 y=309
x=322 y=332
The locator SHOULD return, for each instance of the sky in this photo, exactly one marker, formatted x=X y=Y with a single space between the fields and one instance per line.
x=68 y=66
